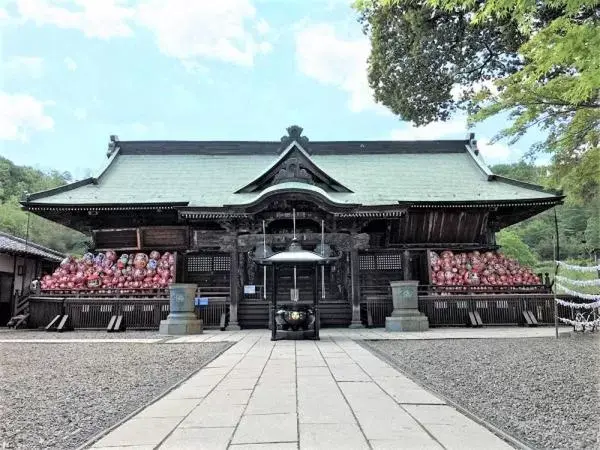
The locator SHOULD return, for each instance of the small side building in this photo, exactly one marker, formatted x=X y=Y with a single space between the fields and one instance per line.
x=21 y=262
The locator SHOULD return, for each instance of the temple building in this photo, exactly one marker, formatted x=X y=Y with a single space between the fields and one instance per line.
x=383 y=205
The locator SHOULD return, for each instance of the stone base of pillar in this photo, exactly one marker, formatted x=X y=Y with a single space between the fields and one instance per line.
x=356 y=324
x=408 y=322
x=180 y=324
x=233 y=326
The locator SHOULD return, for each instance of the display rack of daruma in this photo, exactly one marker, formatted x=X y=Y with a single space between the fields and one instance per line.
x=479 y=272
x=111 y=274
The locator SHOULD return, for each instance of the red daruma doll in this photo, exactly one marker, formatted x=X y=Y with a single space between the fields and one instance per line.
x=140 y=261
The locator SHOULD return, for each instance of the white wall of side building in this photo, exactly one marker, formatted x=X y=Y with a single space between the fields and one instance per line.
x=7 y=265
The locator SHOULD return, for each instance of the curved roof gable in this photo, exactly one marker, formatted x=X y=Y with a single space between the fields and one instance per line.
x=293 y=165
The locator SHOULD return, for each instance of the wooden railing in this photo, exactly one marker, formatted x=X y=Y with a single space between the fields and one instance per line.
x=484 y=289
x=453 y=310
x=500 y=309
x=138 y=313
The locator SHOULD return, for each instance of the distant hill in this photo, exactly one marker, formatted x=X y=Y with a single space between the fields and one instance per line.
x=14 y=180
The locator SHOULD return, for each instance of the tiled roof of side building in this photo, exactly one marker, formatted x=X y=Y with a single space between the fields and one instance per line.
x=15 y=245
x=208 y=174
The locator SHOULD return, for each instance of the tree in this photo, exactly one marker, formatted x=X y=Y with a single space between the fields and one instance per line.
x=577 y=224
x=513 y=247
x=537 y=62
x=14 y=180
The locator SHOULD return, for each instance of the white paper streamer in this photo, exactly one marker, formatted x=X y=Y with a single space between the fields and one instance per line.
x=578 y=268
x=592 y=305
x=594 y=282
x=566 y=290
x=577 y=322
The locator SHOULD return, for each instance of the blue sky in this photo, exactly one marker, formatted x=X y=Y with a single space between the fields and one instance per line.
x=76 y=71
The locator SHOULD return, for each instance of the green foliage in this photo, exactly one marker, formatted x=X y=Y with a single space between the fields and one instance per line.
x=578 y=225
x=538 y=62
x=14 y=180
x=514 y=247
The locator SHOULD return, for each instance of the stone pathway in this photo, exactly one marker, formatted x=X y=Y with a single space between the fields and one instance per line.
x=330 y=394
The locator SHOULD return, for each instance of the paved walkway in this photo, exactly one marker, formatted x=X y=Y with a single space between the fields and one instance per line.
x=330 y=394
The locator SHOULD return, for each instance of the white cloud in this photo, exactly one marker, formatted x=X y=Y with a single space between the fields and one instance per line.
x=265 y=47
x=457 y=90
x=22 y=114
x=225 y=30
x=220 y=30
x=20 y=66
x=70 y=63
x=331 y=60
x=95 y=18
x=497 y=152
x=80 y=113
x=262 y=27
x=456 y=128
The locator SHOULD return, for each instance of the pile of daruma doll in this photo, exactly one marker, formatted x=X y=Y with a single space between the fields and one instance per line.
x=479 y=269
x=108 y=271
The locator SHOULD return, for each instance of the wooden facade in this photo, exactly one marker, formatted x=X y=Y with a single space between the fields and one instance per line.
x=378 y=242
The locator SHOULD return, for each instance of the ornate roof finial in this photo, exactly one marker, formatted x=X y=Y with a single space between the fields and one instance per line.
x=112 y=145
x=294 y=134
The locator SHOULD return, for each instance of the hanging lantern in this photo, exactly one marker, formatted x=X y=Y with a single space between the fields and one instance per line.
x=262 y=251
x=324 y=250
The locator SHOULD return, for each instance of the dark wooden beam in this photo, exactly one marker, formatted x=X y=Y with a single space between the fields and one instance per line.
x=355 y=291
x=234 y=291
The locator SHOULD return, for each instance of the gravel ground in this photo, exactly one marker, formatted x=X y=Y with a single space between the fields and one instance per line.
x=543 y=391
x=78 y=334
x=57 y=396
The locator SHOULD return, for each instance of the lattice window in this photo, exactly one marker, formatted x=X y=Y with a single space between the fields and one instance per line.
x=85 y=308
x=128 y=308
x=165 y=308
x=384 y=262
x=502 y=304
x=389 y=262
x=199 y=264
x=208 y=263
x=440 y=305
x=147 y=308
x=481 y=304
x=105 y=308
x=462 y=304
x=367 y=262
x=222 y=263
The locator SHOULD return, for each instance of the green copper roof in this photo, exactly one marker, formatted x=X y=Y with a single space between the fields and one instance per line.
x=376 y=173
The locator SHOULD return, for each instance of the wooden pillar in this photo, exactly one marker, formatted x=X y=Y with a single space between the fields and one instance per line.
x=406 y=269
x=24 y=275
x=355 y=291
x=234 y=291
x=13 y=299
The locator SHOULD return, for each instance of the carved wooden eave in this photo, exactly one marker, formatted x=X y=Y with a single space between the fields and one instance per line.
x=212 y=214
x=490 y=204
x=372 y=213
x=294 y=165
x=102 y=208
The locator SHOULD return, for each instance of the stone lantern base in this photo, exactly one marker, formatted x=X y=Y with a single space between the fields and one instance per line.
x=406 y=316
x=181 y=325
x=181 y=319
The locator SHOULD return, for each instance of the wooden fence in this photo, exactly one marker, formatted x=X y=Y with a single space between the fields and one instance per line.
x=138 y=313
x=453 y=310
